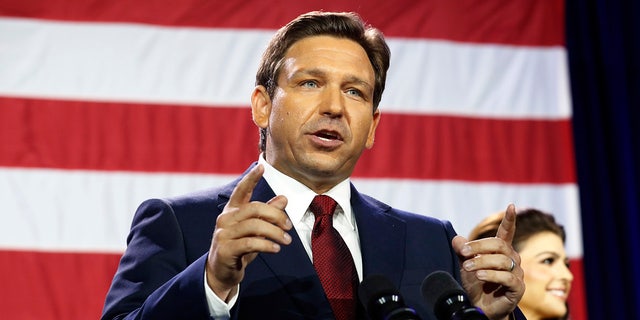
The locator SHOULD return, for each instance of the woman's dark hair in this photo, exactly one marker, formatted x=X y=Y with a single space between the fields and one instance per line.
x=529 y=222
x=337 y=24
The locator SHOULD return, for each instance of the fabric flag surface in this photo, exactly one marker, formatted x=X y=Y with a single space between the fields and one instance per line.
x=104 y=104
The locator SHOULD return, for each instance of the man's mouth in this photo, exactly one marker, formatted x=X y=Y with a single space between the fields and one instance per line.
x=327 y=139
x=328 y=135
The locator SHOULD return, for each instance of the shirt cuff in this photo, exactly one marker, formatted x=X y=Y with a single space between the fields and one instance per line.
x=218 y=309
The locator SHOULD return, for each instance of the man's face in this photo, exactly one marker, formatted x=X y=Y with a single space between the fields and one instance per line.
x=321 y=117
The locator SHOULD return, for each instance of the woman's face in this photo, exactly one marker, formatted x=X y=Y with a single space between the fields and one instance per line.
x=546 y=276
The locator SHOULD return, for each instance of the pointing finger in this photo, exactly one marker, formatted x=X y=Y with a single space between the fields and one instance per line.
x=242 y=192
x=507 y=227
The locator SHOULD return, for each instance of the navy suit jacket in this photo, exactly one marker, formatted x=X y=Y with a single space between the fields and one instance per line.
x=161 y=274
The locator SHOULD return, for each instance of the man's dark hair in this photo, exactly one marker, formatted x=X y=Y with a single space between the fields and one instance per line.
x=346 y=25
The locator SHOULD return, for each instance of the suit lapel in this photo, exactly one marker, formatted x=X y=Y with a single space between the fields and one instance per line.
x=292 y=260
x=291 y=266
x=382 y=238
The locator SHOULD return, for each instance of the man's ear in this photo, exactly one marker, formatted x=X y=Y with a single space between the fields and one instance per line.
x=260 y=106
x=372 y=130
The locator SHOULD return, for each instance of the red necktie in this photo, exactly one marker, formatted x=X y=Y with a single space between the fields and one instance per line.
x=332 y=260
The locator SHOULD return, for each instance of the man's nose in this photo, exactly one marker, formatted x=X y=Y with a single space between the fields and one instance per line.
x=332 y=102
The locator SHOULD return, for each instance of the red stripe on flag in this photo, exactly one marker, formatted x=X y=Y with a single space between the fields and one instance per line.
x=160 y=138
x=126 y=137
x=55 y=285
x=577 y=296
x=471 y=149
x=527 y=22
x=45 y=285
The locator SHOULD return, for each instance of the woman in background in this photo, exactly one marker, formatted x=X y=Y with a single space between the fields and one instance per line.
x=540 y=242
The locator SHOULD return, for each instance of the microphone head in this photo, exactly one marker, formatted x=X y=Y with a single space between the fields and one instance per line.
x=447 y=299
x=437 y=285
x=382 y=300
x=374 y=285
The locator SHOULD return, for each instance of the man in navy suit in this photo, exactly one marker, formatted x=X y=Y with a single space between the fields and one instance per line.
x=243 y=251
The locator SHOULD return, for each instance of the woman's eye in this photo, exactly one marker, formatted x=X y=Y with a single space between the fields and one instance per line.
x=549 y=261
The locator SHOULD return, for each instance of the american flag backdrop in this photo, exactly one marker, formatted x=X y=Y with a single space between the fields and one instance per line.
x=104 y=104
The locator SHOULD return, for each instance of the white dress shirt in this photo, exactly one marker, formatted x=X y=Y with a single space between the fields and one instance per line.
x=299 y=198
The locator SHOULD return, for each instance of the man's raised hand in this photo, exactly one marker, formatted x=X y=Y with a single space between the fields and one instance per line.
x=491 y=272
x=244 y=229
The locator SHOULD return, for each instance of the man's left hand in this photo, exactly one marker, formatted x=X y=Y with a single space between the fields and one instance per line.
x=490 y=269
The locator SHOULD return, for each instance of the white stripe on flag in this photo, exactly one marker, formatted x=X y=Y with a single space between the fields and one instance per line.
x=136 y=63
x=92 y=211
x=74 y=210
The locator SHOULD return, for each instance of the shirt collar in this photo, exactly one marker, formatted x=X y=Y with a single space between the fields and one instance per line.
x=300 y=196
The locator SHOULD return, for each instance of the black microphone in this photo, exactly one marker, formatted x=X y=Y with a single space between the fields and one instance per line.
x=448 y=300
x=383 y=301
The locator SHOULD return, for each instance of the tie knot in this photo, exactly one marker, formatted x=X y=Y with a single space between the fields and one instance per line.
x=323 y=206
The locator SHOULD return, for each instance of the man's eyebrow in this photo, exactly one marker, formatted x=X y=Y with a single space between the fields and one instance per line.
x=311 y=72
x=316 y=72
x=359 y=81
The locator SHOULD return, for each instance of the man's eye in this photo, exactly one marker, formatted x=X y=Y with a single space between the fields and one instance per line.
x=354 y=92
x=309 y=84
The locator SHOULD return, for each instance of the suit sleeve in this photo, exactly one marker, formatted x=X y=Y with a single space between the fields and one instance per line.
x=154 y=280
x=451 y=233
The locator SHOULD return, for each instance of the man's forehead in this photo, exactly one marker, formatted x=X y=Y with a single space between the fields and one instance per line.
x=317 y=54
x=324 y=42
